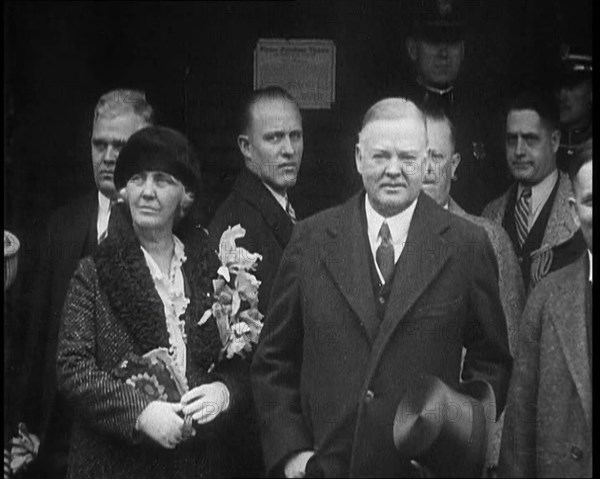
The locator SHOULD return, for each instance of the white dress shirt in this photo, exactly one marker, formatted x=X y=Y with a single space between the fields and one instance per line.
x=539 y=195
x=172 y=293
x=103 y=215
x=591 y=264
x=398 y=225
x=281 y=199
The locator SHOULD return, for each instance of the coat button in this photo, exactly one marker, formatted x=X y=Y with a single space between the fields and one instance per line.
x=369 y=396
x=576 y=453
x=381 y=300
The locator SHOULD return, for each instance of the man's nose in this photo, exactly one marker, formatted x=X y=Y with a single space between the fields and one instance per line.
x=287 y=147
x=110 y=154
x=520 y=150
x=394 y=167
x=443 y=50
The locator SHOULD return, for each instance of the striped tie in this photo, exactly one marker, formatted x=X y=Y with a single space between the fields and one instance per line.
x=522 y=216
x=290 y=212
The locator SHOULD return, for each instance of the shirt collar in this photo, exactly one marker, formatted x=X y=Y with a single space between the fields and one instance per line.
x=591 y=264
x=398 y=224
x=541 y=191
x=103 y=202
x=432 y=89
x=281 y=199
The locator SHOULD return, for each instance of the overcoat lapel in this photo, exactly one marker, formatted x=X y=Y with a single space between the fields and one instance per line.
x=571 y=329
x=421 y=260
x=349 y=266
x=253 y=191
x=81 y=231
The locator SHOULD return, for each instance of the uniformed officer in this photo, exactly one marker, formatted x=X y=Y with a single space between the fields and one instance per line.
x=574 y=95
x=436 y=47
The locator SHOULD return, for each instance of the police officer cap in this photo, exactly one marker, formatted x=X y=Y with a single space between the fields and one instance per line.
x=576 y=65
x=439 y=21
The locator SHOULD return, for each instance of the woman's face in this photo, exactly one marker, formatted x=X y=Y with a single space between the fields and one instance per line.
x=154 y=199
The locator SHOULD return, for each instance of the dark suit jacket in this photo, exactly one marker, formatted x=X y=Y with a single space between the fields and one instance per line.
x=328 y=376
x=548 y=424
x=268 y=227
x=71 y=234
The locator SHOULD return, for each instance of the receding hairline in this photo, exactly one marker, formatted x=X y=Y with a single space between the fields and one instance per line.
x=442 y=119
x=392 y=109
x=123 y=102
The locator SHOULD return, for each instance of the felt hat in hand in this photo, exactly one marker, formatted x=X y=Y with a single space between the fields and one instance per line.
x=443 y=432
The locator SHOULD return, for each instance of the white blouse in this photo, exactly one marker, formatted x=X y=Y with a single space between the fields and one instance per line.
x=172 y=293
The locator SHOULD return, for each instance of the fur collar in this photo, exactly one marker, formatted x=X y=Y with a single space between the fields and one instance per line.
x=124 y=276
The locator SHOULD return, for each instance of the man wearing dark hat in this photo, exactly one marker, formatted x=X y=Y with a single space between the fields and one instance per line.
x=74 y=231
x=436 y=47
x=548 y=423
x=574 y=93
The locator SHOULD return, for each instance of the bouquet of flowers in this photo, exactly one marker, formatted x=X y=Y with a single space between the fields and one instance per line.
x=236 y=296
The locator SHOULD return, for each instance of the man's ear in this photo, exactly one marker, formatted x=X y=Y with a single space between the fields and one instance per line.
x=411 y=48
x=555 y=140
x=573 y=209
x=244 y=145
x=358 y=158
x=454 y=162
x=123 y=194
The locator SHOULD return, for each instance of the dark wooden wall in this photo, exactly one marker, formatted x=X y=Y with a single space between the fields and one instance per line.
x=195 y=62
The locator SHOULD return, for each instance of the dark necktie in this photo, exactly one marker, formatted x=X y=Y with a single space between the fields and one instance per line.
x=522 y=216
x=385 y=253
x=290 y=211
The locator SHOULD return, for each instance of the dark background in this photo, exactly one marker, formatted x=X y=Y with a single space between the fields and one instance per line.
x=195 y=62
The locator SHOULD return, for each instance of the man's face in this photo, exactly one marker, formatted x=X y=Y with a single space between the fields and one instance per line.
x=389 y=157
x=274 y=144
x=438 y=64
x=108 y=138
x=530 y=146
x=575 y=104
x=440 y=163
x=581 y=203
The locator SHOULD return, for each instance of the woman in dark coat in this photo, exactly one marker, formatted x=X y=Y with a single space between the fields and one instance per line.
x=146 y=288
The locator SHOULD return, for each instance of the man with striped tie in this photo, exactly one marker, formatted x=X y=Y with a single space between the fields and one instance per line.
x=535 y=209
x=270 y=140
x=74 y=231
x=271 y=143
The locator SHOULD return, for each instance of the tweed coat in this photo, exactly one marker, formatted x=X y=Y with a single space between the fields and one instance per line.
x=112 y=309
x=548 y=425
x=328 y=375
x=512 y=297
x=71 y=235
x=560 y=229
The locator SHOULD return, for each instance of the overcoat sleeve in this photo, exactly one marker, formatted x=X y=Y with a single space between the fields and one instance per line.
x=277 y=364
x=486 y=339
x=518 y=448
x=107 y=404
